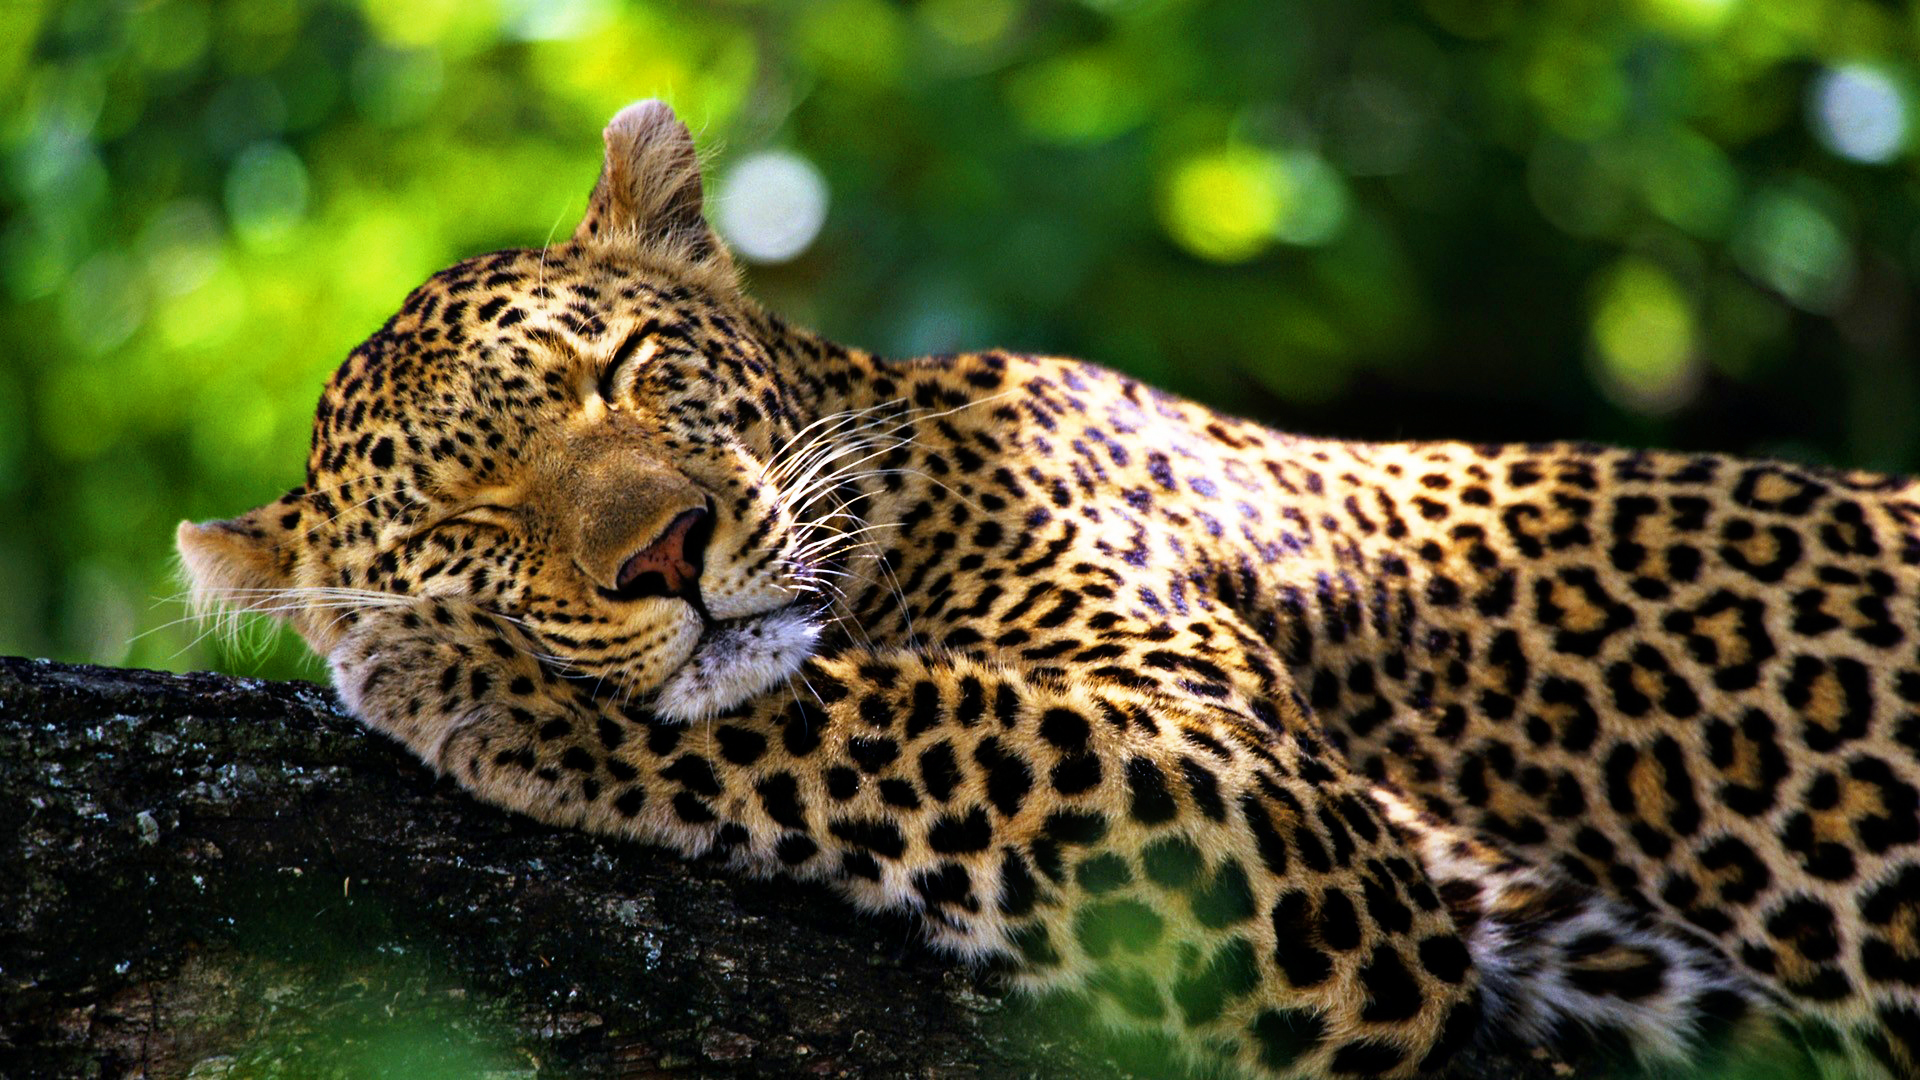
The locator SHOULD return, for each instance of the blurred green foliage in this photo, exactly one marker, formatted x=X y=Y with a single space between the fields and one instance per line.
x=1691 y=223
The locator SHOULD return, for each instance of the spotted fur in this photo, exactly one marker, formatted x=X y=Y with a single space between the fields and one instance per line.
x=1323 y=758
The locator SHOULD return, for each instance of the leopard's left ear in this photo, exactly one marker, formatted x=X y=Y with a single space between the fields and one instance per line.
x=649 y=190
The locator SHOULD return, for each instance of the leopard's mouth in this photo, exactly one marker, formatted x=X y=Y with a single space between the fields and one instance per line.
x=736 y=659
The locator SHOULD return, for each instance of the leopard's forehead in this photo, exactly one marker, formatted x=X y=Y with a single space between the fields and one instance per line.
x=479 y=360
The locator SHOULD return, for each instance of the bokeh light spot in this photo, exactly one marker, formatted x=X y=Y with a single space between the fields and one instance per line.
x=1787 y=241
x=1687 y=180
x=853 y=41
x=103 y=303
x=1644 y=338
x=1859 y=113
x=427 y=22
x=60 y=171
x=396 y=87
x=968 y=22
x=770 y=206
x=35 y=255
x=1226 y=205
x=266 y=194
x=553 y=20
x=1089 y=96
x=180 y=246
x=170 y=37
x=1578 y=85
x=1689 y=18
x=207 y=314
x=1314 y=205
x=244 y=111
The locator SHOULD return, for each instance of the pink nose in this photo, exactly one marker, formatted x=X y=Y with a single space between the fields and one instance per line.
x=670 y=566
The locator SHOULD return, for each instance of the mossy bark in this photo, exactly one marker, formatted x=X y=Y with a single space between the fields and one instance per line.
x=215 y=877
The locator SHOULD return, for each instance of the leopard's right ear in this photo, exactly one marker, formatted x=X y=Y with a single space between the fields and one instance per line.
x=648 y=195
x=246 y=562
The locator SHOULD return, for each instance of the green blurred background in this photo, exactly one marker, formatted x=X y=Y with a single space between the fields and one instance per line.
x=1686 y=223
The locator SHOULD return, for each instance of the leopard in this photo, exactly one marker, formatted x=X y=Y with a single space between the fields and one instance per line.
x=1309 y=757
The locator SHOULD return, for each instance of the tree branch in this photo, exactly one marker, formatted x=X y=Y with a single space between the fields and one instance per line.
x=207 y=875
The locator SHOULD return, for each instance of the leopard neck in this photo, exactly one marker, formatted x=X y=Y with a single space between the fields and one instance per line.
x=819 y=376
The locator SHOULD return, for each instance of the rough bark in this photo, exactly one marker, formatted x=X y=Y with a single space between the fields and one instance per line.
x=214 y=877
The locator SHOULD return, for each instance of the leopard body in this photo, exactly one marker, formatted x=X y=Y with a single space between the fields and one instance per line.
x=1322 y=758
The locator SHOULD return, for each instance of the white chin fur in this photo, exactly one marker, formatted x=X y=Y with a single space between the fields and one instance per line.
x=735 y=662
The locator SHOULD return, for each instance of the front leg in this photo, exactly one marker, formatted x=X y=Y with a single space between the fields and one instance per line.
x=1189 y=870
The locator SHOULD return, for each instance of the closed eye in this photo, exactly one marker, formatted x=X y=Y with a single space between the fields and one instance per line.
x=628 y=349
x=416 y=534
x=482 y=516
x=487 y=515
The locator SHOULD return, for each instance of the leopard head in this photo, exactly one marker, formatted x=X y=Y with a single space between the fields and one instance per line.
x=585 y=439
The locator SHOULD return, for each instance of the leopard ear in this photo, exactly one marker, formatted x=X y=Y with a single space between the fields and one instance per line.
x=243 y=563
x=648 y=194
